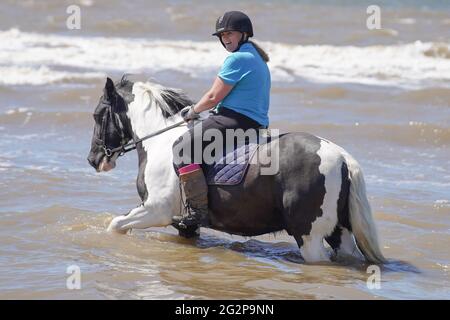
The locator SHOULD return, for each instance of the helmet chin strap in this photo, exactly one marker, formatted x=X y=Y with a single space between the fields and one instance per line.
x=241 y=42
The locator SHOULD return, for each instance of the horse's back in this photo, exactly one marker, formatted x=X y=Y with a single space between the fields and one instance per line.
x=284 y=171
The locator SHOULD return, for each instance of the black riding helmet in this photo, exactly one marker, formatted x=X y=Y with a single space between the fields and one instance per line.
x=234 y=21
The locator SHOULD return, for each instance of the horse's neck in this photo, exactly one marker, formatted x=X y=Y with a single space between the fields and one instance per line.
x=145 y=116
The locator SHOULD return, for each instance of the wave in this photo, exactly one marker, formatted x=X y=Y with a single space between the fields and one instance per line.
x=21 y=117
x=438 y=50
x=406 y=133
x=427 y=96
x=412 y=133
x=36 y=59
x=39 y=75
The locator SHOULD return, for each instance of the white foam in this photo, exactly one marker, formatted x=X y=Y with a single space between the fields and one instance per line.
x=6 y=164
x=87 y=3
x=14 y=110
x=39 y=75
x=396 y=65
x=408 y=21
x=32 y=58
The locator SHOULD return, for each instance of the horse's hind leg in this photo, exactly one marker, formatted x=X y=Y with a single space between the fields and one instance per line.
x=310 y=234
x=309 y=225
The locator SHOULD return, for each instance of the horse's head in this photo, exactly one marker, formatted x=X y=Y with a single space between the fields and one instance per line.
x=111 y=131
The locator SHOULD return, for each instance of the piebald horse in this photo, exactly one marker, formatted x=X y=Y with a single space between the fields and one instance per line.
x=318 y=193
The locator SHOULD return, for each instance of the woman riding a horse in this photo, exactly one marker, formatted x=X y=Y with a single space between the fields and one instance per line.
x=241 y=95
x=317 y=192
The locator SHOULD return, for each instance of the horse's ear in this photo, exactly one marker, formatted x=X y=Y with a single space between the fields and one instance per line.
x=109 y=90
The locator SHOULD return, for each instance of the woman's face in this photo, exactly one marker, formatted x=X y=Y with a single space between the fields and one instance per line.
x=231 y=39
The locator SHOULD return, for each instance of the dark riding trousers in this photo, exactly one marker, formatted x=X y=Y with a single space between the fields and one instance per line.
x=221 y=120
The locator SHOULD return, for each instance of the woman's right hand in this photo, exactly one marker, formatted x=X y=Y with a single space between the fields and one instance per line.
x=189 y=114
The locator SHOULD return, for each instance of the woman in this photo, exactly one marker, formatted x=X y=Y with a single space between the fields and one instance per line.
x=240 y=93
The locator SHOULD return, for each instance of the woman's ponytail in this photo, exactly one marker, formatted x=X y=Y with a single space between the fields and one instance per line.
x=260 y=50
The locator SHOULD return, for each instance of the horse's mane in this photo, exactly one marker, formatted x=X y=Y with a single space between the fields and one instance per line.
x=169 y=100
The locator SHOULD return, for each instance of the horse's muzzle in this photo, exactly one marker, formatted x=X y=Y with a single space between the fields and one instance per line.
x=95 y=160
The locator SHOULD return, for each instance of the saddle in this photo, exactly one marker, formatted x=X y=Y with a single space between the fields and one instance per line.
x=232 y=167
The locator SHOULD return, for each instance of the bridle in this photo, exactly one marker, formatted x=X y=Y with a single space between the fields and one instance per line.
x=120 y=128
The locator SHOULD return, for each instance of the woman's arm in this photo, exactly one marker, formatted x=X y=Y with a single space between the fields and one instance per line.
x=217 y=93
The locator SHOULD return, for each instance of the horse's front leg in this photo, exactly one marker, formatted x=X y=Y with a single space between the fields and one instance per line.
x=141 y=217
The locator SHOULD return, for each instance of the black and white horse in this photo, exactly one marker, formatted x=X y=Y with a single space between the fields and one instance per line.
x=317 y=194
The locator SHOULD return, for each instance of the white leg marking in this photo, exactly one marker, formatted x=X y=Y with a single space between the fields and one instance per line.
x=313 y=249
x=138 y=218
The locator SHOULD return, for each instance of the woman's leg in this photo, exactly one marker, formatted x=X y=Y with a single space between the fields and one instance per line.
x=187 y=160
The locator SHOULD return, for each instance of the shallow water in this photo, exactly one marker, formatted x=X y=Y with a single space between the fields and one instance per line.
x=383 y=96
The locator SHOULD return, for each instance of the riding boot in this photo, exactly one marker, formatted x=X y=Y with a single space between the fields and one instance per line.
x=195 y=189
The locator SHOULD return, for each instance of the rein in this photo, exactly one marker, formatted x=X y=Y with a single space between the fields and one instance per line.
x=124 y=148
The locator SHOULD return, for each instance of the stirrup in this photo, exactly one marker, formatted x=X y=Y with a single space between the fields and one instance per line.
x=185 y=231
x=184 y=222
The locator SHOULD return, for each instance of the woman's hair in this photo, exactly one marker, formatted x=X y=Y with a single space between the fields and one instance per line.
x=260 y=50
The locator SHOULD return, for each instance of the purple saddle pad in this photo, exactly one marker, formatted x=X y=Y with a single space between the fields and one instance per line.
x=231 y=169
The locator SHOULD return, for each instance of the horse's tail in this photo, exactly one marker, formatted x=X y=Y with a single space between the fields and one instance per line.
x=361 y=220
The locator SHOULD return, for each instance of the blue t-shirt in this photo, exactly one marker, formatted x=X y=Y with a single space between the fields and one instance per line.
x=250 y=76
